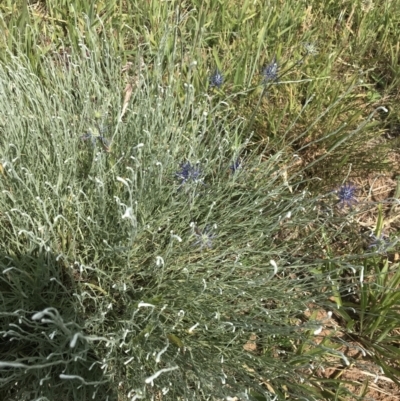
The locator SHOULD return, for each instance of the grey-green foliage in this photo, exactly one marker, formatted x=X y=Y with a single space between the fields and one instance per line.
x=102 y=287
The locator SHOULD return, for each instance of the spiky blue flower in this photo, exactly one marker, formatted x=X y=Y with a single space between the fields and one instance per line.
x=188 y=172
x=347 y=194
x=88 y=137
x=105 y=143
x=236 y=165
x=380 y=243
x=270 y=72
x=204 y=238
x=216 y=79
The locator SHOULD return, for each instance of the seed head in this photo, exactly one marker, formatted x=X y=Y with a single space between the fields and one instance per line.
x=204 y=238
x=311 y=49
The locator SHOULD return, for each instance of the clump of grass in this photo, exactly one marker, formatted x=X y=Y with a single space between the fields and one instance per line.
x=160 y=315
x=156 y=252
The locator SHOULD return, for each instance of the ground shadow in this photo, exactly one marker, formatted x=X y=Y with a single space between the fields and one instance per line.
x=42 y=355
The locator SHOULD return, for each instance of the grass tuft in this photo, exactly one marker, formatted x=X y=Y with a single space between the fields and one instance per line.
x=169 y=223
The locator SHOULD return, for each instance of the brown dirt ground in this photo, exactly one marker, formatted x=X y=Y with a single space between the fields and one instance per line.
x=364 y=377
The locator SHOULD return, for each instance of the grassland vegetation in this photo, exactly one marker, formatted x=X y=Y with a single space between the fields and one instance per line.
x=186 y=203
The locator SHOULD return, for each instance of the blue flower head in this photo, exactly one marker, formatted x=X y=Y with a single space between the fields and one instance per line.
x=204 y=238
x=236 y=165
x=270 y=72
x=88 y=137
x=188 y=172
x=381 y=243
x=104 y=143
x=346 y=194
x=216 y=79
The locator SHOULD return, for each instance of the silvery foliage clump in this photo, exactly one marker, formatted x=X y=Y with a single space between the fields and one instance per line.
x=107 y=289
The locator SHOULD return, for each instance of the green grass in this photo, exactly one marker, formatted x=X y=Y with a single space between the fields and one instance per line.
x=110 y=288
